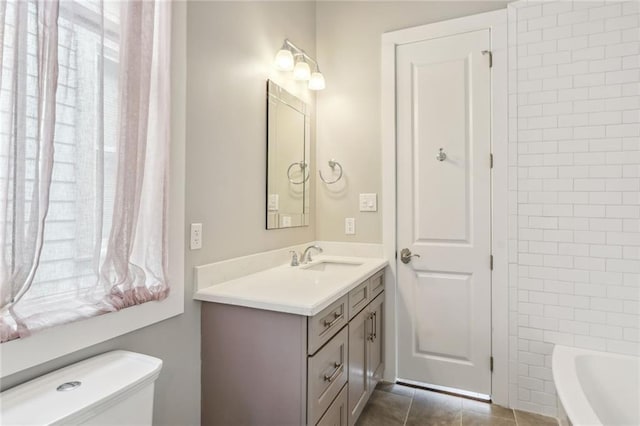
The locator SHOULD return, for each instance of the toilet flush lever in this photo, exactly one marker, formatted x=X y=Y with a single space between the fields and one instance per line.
x=405 y=255
x=441 y=155
x=68 y=386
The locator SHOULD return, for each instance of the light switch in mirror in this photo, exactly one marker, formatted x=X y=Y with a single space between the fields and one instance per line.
x=288 y=169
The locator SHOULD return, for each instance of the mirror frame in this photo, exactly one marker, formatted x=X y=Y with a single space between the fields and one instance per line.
x=276 y=93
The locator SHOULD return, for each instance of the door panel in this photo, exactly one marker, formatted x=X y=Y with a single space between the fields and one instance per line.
x=444 y=211
x=441 y=121
x=435 y=294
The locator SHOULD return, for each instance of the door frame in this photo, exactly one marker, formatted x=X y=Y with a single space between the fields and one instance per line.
x=496 y=22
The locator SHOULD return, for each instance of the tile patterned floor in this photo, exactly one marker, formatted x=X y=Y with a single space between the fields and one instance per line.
x=396 y=405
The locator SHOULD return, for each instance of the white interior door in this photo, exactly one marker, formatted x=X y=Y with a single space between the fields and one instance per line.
x=444 y=211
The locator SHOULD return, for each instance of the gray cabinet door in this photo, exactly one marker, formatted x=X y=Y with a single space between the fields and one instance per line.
x=327 y=323
x=327 y=374
x=337 y=413
x=375 y=365
x=359 y=297
x=359 y=331
x=376 y=284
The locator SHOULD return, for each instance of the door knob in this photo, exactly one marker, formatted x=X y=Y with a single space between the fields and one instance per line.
x=405 y=255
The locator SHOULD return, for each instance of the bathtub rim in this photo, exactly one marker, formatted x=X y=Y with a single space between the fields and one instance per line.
x=570 y=393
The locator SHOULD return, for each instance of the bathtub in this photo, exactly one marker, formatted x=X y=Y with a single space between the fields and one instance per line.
x=597 y=388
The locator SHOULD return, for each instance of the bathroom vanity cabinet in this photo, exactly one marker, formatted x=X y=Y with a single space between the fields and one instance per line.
x=365 y=351
x=268 y=367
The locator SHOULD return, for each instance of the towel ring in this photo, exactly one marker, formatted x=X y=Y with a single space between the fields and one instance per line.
x=332 y=163
x=303 y=168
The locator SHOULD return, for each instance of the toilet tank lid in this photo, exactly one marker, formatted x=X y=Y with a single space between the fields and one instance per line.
x=103 y=379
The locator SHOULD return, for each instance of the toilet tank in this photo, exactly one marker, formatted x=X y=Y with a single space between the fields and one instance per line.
x=115 y=388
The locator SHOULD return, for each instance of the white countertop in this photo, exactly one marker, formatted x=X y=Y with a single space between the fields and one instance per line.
x=292 y=289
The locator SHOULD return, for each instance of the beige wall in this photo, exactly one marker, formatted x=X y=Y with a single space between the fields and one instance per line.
x=348 y=110
x=231 y=46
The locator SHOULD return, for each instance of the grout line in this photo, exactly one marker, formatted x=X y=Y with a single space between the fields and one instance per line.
x=406 y=417
x=515 y=416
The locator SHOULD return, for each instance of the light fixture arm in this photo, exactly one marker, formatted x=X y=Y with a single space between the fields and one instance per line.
x=297 y=51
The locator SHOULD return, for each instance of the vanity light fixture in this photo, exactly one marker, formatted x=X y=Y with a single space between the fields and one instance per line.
x=316 y=82
x=302 y=71
x=292 y=58
x=284 y=58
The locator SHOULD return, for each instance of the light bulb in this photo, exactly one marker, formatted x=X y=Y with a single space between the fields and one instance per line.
x=301 y=71
x=316 y=82
x=284 y=60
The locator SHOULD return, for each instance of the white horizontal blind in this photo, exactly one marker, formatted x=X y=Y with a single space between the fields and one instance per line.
x=84 y=122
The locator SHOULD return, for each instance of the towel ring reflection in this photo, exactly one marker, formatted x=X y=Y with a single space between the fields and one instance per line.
x=332 y=163
x=303 y=168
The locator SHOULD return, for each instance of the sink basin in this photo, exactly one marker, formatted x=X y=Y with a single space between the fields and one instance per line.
x=330 y=266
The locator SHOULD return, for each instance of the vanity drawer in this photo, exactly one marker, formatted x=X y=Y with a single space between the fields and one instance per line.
x=359 y=297
x=327 y=373
x=337 y=413
x=321 y=327
x=376 y=284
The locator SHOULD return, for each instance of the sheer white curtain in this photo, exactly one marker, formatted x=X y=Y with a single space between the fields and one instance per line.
x=84 y=142
x=29 y=83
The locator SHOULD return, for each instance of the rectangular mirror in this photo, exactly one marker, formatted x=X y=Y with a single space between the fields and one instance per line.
x=288 y=170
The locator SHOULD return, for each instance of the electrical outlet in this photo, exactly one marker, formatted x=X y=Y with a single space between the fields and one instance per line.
x=349 y=225
x=196 y=236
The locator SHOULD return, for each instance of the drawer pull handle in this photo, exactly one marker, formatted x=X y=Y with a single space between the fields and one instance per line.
x=330 y=378
x=371 y=334
x=336 y=318
x=375 y=325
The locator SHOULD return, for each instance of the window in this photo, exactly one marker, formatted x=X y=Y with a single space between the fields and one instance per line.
x=82 y=207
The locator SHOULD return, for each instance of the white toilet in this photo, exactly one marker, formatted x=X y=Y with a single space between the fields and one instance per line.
x=115 y=388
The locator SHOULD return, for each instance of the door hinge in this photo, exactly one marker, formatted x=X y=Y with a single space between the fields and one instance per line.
x=491 y=363
x=488 y=52
x=396 y=254
x=491 y=262
x=491 y=160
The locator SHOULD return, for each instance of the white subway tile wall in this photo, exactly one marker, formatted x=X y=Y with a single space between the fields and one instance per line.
x=574 y=190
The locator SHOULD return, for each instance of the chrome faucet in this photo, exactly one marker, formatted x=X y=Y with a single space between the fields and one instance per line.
x=306 y=255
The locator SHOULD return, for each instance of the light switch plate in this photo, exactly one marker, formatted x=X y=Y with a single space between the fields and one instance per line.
x=349 y=225
x=196 y=236
x=369 y=202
